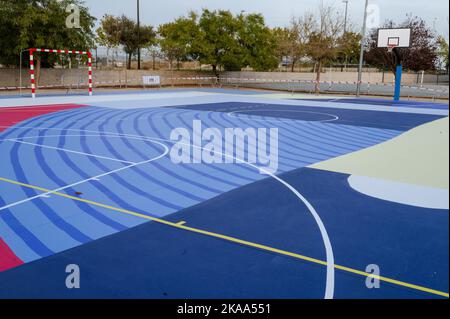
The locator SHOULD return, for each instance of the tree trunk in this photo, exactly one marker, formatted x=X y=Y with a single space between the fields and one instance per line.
x=216 y=72
x=318 y=70
x=293 y=66
x=129 y=61
x=153 y=62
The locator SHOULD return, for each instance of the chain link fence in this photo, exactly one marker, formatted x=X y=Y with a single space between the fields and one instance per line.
x=373 y=83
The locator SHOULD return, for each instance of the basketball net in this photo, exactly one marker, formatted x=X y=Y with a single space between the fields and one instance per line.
x=391 y=47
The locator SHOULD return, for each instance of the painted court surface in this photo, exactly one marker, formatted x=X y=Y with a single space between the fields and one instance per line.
x=89 y=181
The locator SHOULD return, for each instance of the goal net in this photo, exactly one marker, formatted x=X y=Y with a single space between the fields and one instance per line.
x=67 y=81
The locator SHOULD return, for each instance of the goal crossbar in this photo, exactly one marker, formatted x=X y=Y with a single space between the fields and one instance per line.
x=32 y=74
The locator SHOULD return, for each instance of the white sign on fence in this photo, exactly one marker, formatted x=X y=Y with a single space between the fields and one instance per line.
x=151 y=80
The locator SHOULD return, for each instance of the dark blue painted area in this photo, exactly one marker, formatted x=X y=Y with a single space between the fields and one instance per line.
x=411 y=104
x=377 y=119
x=384 y=102
x=157 y=261
x=408 y=243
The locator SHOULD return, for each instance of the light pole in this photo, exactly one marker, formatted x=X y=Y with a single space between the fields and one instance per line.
x=139 y=36
x=345 y=28
x=361 y=54
x=345 y=19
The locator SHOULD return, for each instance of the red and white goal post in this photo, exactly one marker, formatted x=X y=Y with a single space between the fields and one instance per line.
x=33 y=81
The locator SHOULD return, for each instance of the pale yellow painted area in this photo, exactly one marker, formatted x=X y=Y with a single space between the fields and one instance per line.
x=419 y=156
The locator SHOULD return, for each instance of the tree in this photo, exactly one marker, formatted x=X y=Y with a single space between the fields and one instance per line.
x=443 y=52
x=108 y=34
x=41 y=24
x=282 y=43
x=349 y=48
x=123 y=31
x=217 y=43
x=292 y=41
x=220 y=39
x=154 y=51
x=178 y=39
x=128 y=37
x=323 y=44
x=422 y=55
x=257 y=41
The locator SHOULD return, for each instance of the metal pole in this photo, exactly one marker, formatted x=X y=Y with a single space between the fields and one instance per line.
x=345 y=29
x=361 y=55
x=345 y=20
x=139 y=36
x=20 y=74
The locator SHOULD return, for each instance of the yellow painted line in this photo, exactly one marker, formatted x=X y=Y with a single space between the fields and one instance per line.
x=181 y=225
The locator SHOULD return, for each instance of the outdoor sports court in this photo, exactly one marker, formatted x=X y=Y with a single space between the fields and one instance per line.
x=90 y=181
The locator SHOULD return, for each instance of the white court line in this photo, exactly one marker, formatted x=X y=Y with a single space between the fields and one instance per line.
x=329 y=288
x=94 y=178
x=70 y=151
x=232 y=115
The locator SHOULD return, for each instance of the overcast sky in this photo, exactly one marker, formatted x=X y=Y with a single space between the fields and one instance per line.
x=276 y=12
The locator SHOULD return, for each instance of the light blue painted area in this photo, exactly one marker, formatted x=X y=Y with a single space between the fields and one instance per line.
x=145 y=91
x=50 y=235
x=17 y=244
x=397 y=192
x=178 y=97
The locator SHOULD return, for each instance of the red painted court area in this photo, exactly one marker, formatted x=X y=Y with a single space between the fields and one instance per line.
x=12 y=115
x=9 y=117
x=7 y=258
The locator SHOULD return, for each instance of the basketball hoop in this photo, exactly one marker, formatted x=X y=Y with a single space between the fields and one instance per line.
x=392 y=38
x=393 y=42
x=391 y=47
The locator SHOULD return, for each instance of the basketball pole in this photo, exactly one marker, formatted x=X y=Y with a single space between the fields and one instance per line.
x=398 y=73
x=361 y=54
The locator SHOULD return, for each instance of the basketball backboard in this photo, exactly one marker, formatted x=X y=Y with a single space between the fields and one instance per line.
x=394 y=38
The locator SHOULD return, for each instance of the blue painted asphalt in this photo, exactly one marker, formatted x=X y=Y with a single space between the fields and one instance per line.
x=384 y=102
x=156 y=261
x=260 y=211
x=157 y=189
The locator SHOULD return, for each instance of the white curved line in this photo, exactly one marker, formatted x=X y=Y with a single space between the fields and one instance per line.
x=70 y=151
x=329 y=288
x=333 y=116
x=46 y=194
